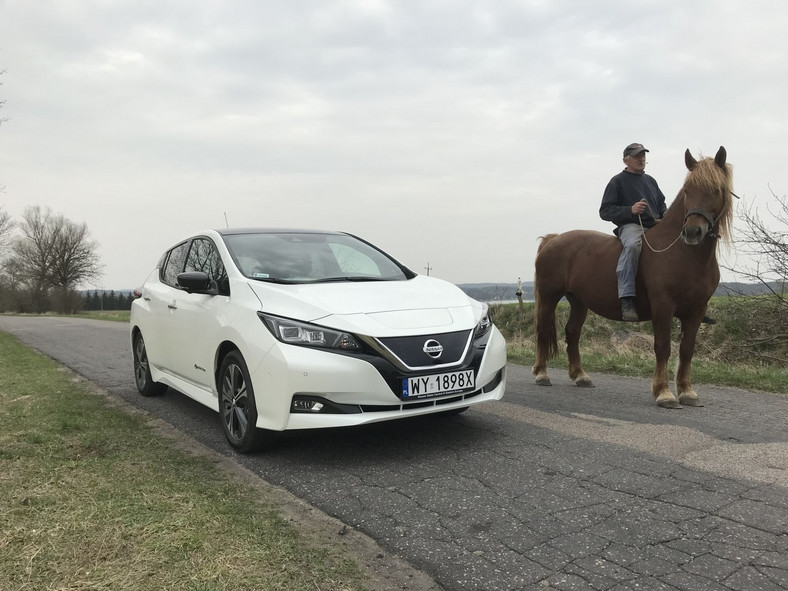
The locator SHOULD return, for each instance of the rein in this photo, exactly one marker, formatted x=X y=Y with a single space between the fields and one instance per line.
x=645 y=239
x=693 y=211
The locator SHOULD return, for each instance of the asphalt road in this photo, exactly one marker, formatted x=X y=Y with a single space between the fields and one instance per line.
x=551 y=488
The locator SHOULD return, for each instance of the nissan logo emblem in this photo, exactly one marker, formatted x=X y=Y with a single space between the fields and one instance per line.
x=433 y=348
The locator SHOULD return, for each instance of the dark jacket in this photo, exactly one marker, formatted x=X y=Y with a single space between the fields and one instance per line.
x=623 y=191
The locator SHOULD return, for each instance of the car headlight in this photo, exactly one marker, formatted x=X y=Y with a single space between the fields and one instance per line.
x=484 y=324
x=294 y=332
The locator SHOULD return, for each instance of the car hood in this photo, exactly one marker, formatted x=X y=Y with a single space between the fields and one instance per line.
x=419 y=305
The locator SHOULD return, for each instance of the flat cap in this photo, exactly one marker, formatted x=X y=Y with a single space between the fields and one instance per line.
x=634 y=149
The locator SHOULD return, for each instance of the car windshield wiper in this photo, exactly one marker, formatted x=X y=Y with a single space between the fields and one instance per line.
x=349 y=278
x=274 y=280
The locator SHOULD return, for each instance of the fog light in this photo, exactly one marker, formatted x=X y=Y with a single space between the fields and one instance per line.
x=301 y=405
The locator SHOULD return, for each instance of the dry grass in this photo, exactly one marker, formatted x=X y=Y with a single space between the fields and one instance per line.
x=94 y=499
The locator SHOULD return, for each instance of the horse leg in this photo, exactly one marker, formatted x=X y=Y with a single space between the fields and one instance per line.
x=577 y=317
x=689 y=331
x=659 y=384
x=546 y=338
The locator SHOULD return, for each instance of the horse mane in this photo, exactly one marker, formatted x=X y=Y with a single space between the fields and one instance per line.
x=709 y=177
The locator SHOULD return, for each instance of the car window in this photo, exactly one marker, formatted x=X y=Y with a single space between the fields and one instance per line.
x=204 y=257
x=311 y=257
x=175 y=261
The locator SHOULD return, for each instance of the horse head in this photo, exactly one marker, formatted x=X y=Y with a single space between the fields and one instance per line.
x=707 y=197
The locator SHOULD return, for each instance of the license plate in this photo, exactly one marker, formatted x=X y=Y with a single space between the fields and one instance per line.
x=438 y=384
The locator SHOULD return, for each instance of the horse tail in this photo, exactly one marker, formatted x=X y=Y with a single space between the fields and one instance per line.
x=544 y=321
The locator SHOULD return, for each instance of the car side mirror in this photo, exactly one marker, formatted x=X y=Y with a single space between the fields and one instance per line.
x=196 y=282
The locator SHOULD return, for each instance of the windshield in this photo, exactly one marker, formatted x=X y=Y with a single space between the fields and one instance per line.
x=311 y=258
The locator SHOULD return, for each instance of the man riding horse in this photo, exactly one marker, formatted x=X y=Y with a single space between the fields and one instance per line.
x=677 y=275
x=634 y=202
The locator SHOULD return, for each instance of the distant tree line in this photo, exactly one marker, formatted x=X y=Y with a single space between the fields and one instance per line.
x=44 y=258
x=107 y=300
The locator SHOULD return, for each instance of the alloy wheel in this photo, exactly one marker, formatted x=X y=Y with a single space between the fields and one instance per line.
x=140 y=363
x=235 y=402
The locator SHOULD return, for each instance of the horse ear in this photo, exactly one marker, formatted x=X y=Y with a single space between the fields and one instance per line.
x=689 y=160
x=721 y=156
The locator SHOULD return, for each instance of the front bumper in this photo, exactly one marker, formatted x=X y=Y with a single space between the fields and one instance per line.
x=353 y=391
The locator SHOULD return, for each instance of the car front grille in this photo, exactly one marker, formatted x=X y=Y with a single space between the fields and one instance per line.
x=412 y=352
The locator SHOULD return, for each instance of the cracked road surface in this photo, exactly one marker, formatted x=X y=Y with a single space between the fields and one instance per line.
x=551 y=488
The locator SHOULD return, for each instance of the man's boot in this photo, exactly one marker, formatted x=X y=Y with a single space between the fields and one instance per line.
x=628 y=311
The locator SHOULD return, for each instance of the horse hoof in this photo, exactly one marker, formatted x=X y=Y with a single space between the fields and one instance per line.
x=585 y=383
x=670 y=403
x=543 y=381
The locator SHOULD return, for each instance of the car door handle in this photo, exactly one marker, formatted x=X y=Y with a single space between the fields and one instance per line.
x=172 y=306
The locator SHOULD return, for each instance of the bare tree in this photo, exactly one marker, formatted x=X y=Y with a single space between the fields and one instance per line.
x=6 y=226
x=52 y=257
x=765 y=241
x=6 y=285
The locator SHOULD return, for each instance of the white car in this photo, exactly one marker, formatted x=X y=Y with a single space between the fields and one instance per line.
x=281 y=329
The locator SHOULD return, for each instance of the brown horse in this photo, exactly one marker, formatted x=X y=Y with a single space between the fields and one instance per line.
x=677 y=275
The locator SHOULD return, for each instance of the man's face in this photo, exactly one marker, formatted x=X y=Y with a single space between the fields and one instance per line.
x=636 y=164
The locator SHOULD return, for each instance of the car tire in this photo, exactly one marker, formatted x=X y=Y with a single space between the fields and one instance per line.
x=237 y=406
x=142 y=377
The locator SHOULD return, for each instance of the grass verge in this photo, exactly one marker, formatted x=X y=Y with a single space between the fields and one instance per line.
x=114 y=315
x=94 y=499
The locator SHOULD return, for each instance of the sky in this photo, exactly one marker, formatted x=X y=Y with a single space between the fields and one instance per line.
x=452 y=134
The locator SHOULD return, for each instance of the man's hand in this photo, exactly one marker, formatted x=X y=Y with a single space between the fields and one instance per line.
x=639 y=207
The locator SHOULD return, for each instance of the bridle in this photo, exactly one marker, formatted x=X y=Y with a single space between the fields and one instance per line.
x=692 y=211
x=705 y=215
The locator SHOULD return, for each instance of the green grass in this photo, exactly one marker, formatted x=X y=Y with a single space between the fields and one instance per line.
x=747 y=348
x=94 y=499
x=114 y=315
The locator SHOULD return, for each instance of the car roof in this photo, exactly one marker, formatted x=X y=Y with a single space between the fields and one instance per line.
x=231 y=231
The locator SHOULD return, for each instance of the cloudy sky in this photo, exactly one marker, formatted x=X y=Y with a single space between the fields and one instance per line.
x=449 y=133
